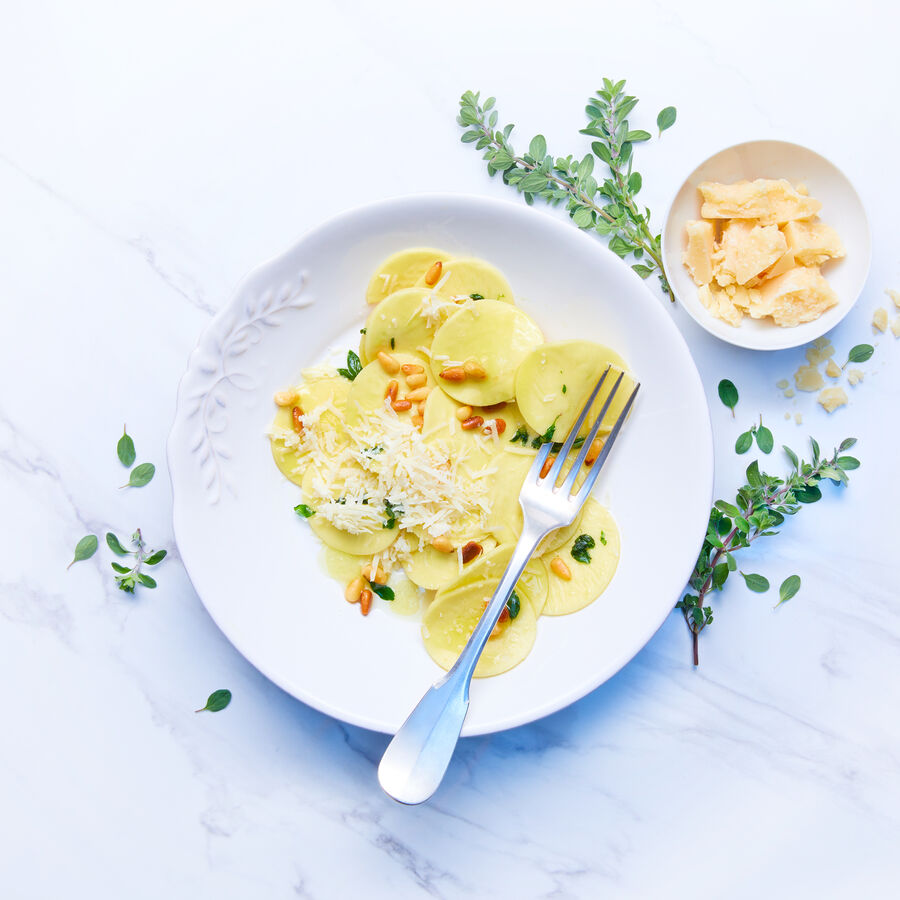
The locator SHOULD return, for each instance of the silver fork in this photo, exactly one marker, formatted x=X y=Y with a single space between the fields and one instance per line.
x=417 y=758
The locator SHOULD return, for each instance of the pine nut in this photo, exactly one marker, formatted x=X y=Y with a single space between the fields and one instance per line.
x=432 y=276
x=354 y=589
x=471 y=551
x=378 y=578
x=365 y=601
x=463 y=413
x=499 y=425
x=285 y=398
x=401 y=405
x=560 y=568
x=472 y=423
x=418 y=394
x=421 y=407
x=417 y=420
x=548 y=464
x=297 y=419
x=474 y=369
x=411 y=369
x=391 y=392
x=417 y=380
x=594 y=451
x=443 y=544
x=388 y=363
x=454 y=373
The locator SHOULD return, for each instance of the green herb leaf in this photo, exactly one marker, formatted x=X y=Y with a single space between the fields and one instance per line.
x=477 y=296
x=154 y=559
x=788 y=589
x=728 y=394
x=354 y=366
x=391 y=514
x=848 y=463
x=537 y=149
x=141 y=475
x=125 y=449
x=84 y=549
x=666 y=118
x=764 y=439
x=583 y=543
x=303 y=510
x=115 y=544
x=122 y=570
x=603 y=538
x=757 y=583
x=514 y=605
x=145 y=580
x=520 y=435
x=216 y=702
x=545 y=438
x=382 y=590
x=563 y=388
x=744 y=442
x=859 y=354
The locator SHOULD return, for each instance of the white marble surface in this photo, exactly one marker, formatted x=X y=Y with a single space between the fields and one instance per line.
x=149 y=156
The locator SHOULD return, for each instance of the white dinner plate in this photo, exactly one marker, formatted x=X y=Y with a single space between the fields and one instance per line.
x=254 y=562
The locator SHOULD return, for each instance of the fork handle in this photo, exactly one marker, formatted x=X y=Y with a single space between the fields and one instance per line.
x=417 y=758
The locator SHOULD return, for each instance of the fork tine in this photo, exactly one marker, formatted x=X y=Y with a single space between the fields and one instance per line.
x=586 y=446
x=573 y=431
x=584 y=490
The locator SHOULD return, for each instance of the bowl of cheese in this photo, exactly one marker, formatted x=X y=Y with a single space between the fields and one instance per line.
x=767 y=245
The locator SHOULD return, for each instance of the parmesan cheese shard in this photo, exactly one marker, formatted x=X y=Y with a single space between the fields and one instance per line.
x=781 y=265
x=770 y=201
x=833 y=397
x=808 y=378
x=799 y=295
x=821 y=350
x=740 y=295
x=833 y=370
x=746 y=249
x=798 y=418
x=813 y=242
x=895 y=327
x=698 y=255
x=855 y=376
x=720 y=304
x=880 y=319
x=895 y=296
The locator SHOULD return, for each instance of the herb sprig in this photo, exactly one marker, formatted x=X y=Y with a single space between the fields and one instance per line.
x=760 y=506
x=763 y=435
x=606 y=203
x=354 y=366
x=127 y=579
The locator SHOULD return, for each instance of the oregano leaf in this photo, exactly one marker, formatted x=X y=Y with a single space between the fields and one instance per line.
x=125 y=449
x=757 y=583
x=216 y=702
x=84 y=549
x=788 y=589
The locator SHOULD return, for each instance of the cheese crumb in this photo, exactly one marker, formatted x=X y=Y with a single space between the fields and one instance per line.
x=819 y=352
x=808 y=378
x=787 y=415
x=798 y=418
x=833 y=370
x=895 y=296
x=833 y=397
x=781 y=385
x=880 y=320
x=855 y=376
x=895 y=327
x=789 y=392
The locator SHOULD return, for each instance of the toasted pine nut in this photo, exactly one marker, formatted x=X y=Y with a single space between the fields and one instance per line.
x=401 y=405
x=388 y=363
x=504 y=614
x=421 y=407
x=365 y=601
x=594 y=451
x=411 y=369
x=354 y=589
x=391 y=392
x=560 y=568
x=418 y=394
x=432 y=276
x=443 y=544
x=297 y=419
x=417 y=420
x=463 y=413
x=471 y=551
x=500 y=425
x=378 y=578
x=454 y=373
x=417 y=380
x=285 y=398
x=548 y=464
x=474 y=369
x=472 y=423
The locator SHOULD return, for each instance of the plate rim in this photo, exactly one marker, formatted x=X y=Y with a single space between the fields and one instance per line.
x=705 y=321
x=577 y=691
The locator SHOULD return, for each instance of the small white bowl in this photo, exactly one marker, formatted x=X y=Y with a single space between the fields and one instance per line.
x=841 y=208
